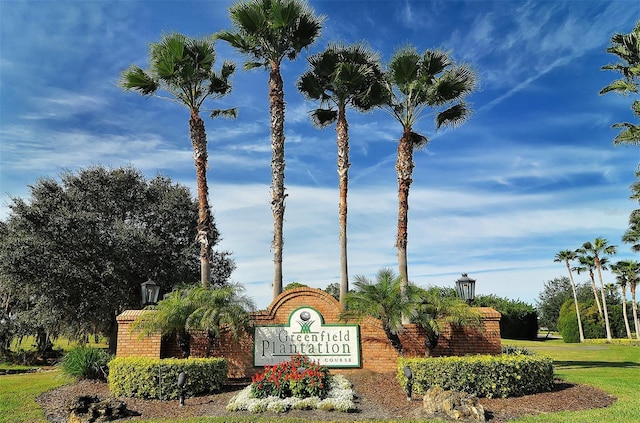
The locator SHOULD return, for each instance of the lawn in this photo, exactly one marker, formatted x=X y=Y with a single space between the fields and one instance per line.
x=612 y=368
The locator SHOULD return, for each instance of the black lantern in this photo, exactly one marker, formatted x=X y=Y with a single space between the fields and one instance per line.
x=466 y=288
x=150 y=292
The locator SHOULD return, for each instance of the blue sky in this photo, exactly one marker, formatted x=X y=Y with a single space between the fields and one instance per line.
x=531 y=173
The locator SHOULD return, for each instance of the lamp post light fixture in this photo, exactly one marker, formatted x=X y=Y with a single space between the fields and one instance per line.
x=466 y=288
x=182 y=381
x=409 y=387
x=149 y=293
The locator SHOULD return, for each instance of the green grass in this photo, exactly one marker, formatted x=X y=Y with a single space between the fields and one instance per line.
x=612 y=368
x=19 y=391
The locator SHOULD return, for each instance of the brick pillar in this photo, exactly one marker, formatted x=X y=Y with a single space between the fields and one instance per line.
x=130 y=343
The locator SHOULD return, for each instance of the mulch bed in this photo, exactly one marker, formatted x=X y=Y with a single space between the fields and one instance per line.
x=379 y=396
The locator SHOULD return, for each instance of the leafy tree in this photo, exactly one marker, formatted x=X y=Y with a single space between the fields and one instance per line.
x=183 y=67
x=333 y=289
x=417 y=83
x=627 y=48
x=566 y=256
x=554 y=294
x=268 y=31
x=293 y=285
x=198 y=308
x=73 y=256
x=341 y=77
x=597 y=250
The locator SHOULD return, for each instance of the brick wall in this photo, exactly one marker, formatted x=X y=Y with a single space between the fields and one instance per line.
x=376 y=352
x=130 y=343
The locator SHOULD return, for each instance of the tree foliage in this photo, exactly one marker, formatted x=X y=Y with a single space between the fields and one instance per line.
x=519 y=320
x=74 y=254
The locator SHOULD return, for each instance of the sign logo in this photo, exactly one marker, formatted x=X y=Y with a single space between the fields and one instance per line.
x=331 y=345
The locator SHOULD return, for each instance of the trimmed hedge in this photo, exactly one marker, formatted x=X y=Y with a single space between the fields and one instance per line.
x=153 y=378
x=506 y=375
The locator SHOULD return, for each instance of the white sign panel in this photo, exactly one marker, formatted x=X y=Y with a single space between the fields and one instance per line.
x=332 y=345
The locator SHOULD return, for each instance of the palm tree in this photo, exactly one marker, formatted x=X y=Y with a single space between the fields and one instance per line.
x=435 y=311
x=566 y=256
x=342 y=77
x=587 y=263
x=627 y=48
x=198 y=308
x=417 y=83
x=268 y=31
x=381 y=300
x=622 y=269
x=599 y=247
x=183 y=67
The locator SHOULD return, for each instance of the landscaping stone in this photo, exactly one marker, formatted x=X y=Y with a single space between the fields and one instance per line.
x=91 y=409
x=455 y=405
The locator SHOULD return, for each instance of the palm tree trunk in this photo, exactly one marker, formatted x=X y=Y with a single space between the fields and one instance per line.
x=595 y=293
x=276 y=111
x=342 y=129
x=404 y=170
x=575 y=300
x=604 y=301
x=205 y=230
x=394 y=339
x=624 y=310
x=634 y=307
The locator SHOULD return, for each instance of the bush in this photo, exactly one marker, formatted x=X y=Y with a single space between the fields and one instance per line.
x=519 y=320
x=507 y=375
x=142 y=377
x=299 y=377
x=86 y=363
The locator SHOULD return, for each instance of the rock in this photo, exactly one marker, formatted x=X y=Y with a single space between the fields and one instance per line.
x=90 y=409
x=456 y=405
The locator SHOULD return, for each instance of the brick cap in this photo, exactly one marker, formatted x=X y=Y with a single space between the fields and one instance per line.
x=130 y=315
x=488 y=312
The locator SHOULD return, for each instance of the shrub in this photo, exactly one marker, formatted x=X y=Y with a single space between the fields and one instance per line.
x=299 y=377
x=86 y=363
x=142 y=377
x=506 y=375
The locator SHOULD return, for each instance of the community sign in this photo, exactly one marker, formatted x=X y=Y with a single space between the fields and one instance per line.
x=331 y=345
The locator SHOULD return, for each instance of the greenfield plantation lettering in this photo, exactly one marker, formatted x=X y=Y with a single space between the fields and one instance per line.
x=332 y=345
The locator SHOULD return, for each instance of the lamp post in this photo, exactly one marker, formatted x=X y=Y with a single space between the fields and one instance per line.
x=149 y=293
x=182 y=381
x=466 y=288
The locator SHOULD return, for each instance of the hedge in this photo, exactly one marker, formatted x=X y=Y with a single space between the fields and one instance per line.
x=153 y=378
x=506 y=375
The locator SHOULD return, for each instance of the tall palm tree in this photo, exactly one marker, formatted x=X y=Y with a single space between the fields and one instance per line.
x=597 y=249
x=627 y=48
x=183 y=68
x=198 y=308
x=341 y=77
x=417 y=83
x=268 y=31
x=622 y=269
x=587 y=263
x=565 y=256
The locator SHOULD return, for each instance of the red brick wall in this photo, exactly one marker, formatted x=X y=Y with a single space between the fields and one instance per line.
x=376 y=352
x=130 y=343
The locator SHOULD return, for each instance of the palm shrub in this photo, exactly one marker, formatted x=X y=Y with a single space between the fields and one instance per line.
x=299 y=377
x=86 y=363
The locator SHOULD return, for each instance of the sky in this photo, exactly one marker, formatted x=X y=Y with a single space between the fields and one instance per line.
x=532 y=172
